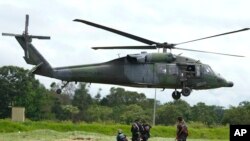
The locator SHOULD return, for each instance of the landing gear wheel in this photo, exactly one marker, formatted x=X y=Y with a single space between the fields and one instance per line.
x=176 y=95
x=59 y=91
x=186 y=91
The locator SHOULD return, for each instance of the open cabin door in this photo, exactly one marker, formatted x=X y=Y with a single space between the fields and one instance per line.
x=190 y=70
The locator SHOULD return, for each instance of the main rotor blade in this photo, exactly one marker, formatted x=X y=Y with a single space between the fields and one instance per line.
x=40 y=37
x=128 y=35
x=231 y=32
x=26 y=24
x=125 y=47
x=209 y=52
x=11 y=34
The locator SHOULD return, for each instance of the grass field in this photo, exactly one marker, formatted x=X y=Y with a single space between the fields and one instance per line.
x=51 y=135
x=67 y=131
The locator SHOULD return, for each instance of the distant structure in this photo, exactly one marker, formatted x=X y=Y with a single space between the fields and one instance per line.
x=18 y=114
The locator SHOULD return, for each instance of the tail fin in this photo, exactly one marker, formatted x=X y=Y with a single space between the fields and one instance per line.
x=32 y=56
x=35 y=58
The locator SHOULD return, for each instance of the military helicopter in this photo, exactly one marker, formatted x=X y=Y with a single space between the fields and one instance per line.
x=150 y=70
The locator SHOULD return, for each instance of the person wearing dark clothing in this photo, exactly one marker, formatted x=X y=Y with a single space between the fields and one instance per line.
x=182 y=131
x=136 y=129
x=146 y=131
x=120 y=136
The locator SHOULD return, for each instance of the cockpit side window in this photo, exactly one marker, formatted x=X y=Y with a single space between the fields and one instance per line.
x=207 y=69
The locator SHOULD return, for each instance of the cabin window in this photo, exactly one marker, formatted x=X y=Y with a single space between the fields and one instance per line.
x=161 y=69
x=172 y=69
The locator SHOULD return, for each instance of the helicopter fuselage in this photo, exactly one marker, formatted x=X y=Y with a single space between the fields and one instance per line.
x=156 y=70
x=151 y=70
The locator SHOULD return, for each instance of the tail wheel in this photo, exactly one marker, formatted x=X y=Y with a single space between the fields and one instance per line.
x=176 y=95
x=186 y=91
x=59 y=91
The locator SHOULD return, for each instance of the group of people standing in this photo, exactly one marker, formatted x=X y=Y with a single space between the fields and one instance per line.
x=141 y=131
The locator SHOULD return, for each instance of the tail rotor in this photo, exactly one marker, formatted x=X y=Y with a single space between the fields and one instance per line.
x=26 y=36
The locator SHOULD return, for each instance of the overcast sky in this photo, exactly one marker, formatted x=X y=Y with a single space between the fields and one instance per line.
x=161 y=21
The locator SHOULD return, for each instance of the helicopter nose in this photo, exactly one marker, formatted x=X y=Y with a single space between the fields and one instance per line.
x=230 y=84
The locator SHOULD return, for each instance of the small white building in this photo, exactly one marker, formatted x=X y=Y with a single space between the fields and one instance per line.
x=18 y=114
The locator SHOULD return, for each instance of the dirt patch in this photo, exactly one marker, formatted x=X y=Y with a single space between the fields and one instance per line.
x=83 y=139
x=78 y=139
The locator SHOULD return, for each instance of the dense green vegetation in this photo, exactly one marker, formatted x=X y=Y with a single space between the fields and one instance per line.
x=18 y=87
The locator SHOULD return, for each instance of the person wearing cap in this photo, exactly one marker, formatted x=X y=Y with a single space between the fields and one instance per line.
x=182 y=130
x=120 y=136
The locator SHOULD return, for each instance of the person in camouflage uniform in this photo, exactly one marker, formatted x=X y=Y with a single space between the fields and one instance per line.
x=145 y=134
x=182 y=130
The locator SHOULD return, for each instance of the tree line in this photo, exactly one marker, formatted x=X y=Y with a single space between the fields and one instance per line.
x=18 y=87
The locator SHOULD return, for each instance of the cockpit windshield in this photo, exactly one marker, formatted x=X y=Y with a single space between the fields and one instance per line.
x=207 y=69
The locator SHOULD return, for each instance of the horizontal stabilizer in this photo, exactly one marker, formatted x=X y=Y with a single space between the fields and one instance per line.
x=23 y=35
